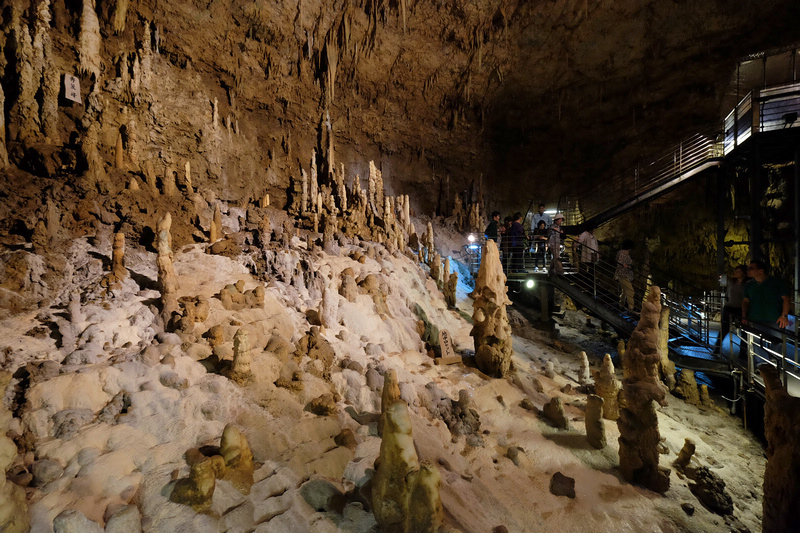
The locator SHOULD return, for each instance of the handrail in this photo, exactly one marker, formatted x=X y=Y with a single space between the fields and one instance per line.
x=670 y=166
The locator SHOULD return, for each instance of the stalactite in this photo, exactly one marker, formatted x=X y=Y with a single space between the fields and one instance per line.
x=25 y=111
x=90 y=40
x=3 y=149
x=120 y=14
x=313 y=184
x=188 y=177
x=304 y=197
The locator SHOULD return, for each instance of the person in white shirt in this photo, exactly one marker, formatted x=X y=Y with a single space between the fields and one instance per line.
x=541 y=215
x=586 y=251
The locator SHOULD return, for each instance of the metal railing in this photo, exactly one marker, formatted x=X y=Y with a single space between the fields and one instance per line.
x=753 y=345
x=671 y=167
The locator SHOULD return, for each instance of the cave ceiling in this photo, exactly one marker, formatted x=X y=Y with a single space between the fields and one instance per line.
x=532 y=98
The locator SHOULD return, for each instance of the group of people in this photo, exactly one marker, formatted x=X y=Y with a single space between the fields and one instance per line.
x=546 y=233
x=755 y=298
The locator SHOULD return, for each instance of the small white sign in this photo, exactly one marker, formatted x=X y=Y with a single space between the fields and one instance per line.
x=72 y=88
x=446 y=343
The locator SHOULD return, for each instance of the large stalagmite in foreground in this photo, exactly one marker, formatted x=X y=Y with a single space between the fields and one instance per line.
x=638 y=421
x=491 y=332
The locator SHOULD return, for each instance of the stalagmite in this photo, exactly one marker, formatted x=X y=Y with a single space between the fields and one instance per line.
x=118 y=257
x=215 y=233
x=264 y=231
x=198 y=489
x=685 y=455
x=187 y=176
x=686 y=387
x=491 y=331
x=240 y=369
x=782 y=475
x=330 y=307
x=436 y=270
x=239 y=465
x=607 y=387
x=389 y=395
x=584 y=375
x=665 y=366
x=405 y=494
x=313 y=187
x=304 y=197
x=430 y=248
x=595 y=429
x=638 y=423
x=3 y=149
x=95 y=172
x=118 y=152
x=168 y=185
x=89 y=40
x=167 y=281
x=554 y=412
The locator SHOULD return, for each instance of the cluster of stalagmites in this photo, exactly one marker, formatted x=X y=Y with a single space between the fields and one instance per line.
x=233 y=463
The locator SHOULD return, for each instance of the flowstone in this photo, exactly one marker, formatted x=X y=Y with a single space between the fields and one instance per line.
x=491 y=331
x=638 y=422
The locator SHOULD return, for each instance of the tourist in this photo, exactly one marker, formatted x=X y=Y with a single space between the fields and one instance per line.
x=538 y=217
x=554 y=243
x=766 y=300
x=586 y=253
x=492 y=231
x=732 y=310
x=517 y=234
x=539 y=244
x=624 y=274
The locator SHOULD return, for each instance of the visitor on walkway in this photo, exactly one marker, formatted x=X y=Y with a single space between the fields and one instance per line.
x=541 y=215
x=732 y=310
x=493 y=229
x=766 y=299
x=505 y=243
x=587 y=252
x=517 y=234
x=624 y=274
x=540 y=235
x=554 y=243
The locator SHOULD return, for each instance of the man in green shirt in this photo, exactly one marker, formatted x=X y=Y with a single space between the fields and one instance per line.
x=766 y=300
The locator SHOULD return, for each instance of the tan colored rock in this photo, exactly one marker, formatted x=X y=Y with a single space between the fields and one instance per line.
x=584 y=375
x=595 y=429
x=197 y=490
x=90 y=40
x=119 y=160
x=685 y=455
x=405 y=496
x=14 y=516
x=607 y=387
x=242 y=357
x=641 y=387
x=238 y=457
x=167 y=281
x=450 y=290
x=665 y=366
x=389 y=395
x=118 y=257
x=491 y=331
x=554 y=412
x=782 y=475
x=216 y=226
x=686 y=388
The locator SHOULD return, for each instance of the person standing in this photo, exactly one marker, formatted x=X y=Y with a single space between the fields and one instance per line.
x=624 y=274
x=505 y=243
x=733 y=304
x=517 y=234
x=540 y=244
x=538 y=217
x=587 y=254
x=554 y=243
x=493 y=229
x=766 y=300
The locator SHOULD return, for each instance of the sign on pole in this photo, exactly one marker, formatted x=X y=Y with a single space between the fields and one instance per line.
x=72 y=88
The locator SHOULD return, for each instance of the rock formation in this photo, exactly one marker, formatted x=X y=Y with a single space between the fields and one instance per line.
x=242 y=357
x=554 y=412
x=239 y=465
x=595 y=429
x=167 y=281
x=685 y=455
x=686 y=388
x=450 y=287
x=118 y=257
x=607 y=387
x=491 y=331
x=584 y=375
x=405 y=494
x=665 y=366
x=198 y=489
x=215 y=233
x=638 y=422
x=782 y=476
x=13 y=505
x=389 y=395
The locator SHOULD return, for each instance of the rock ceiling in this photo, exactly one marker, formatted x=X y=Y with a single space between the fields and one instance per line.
x=540 y=94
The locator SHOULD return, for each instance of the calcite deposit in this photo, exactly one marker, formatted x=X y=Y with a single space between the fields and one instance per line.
x=607 y=387
x=491 y=332
x=641 y=390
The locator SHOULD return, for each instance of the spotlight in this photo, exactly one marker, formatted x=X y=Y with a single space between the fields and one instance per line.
x=529 y=284
x=471 y=237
